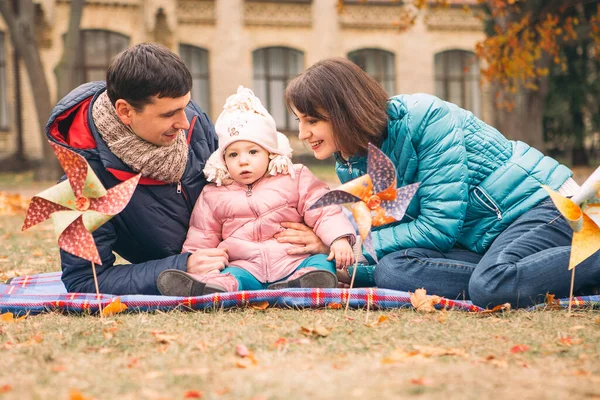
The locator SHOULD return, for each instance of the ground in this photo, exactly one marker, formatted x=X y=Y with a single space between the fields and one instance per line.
x=282 y=354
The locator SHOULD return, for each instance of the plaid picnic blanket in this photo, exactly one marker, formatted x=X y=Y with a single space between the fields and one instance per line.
x=35 y=294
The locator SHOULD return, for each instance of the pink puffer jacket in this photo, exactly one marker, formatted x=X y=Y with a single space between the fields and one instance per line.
x=244 y=219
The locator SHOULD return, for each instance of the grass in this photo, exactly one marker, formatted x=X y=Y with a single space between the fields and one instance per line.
x=178 y=355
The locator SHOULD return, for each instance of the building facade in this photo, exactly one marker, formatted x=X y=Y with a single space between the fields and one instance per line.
x=260 y=44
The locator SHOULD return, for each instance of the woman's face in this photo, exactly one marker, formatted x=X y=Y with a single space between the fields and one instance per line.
x=317 y=133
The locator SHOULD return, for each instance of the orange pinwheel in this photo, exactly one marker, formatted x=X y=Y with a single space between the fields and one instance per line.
x=376 y=199
x=78 y=205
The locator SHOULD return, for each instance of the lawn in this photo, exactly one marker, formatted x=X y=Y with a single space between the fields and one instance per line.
x=283 y=353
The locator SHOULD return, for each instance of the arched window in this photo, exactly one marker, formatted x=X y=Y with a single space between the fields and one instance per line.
x=97 y=48
x=3 y=94
x=457 y=79
x=273 y=68
x=196 y=59
x=380 y=64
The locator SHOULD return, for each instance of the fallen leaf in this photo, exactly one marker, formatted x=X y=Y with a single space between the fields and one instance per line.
x=498 y=308
x=335 y=306
x=421 y=381
x=224 y=391
x=280 y=342
x=193 y=394
x=75 y=394
x=552 y=303
x=59 y=368
x=579 y=372
x=132 y=362
x=423 y=303
x=491 y=359
x=576 y=327
x=263 y=305
x=12 y=204
x=163 y=338
x=243 y=362
x=242 y=351
x=10 y=318
x=569 y=341
x=381 y=319
x=5 y=388
x=114 y=307
x=432 y=351
x=519 y=348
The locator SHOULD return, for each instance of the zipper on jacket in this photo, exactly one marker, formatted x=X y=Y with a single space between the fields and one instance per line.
x=179 y=187
x=349 y=167
x=495 y=208
x=249 y=191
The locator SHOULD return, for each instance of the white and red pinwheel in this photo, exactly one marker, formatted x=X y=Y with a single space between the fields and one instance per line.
x=79 y=205
x=376 y=199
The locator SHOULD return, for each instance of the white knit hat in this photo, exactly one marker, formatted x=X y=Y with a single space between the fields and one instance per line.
x=245 y=118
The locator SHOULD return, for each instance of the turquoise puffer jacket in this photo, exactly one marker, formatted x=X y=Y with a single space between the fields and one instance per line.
x=474 y=182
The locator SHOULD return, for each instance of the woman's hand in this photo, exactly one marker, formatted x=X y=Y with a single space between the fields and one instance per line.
x=204 y=261
x=304 y=239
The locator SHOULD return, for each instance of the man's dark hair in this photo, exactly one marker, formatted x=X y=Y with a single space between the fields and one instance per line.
x=145 y=70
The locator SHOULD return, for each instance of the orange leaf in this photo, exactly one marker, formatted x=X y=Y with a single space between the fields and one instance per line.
x=5 y=388
x=499 y=307
x=520 y=348
x=193 y=394
x=423 y=303
x=263 y=305
x=76 y=395
x=552 y=303
x=335 y=306
x=114 y=307
x=9 y=317
x=280 y=342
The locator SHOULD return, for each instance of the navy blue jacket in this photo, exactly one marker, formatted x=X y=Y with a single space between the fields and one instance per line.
x=150 y=231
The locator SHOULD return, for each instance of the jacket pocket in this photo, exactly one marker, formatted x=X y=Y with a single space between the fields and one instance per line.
x=482 y=198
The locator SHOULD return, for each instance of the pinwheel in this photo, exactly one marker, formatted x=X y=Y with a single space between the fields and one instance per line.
x=376 y=199
x=78 y=206
x=582 y=213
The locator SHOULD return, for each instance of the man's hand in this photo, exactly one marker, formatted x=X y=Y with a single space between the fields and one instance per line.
x=300 y=235
x=204 y=261
x=342 y=252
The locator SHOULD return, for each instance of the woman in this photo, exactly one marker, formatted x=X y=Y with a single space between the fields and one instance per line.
x=480 y=226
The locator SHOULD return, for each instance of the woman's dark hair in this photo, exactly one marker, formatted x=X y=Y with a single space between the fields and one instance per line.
x=145 y=70
x=355 y=103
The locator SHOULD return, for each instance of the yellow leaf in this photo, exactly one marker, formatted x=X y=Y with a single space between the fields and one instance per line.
x=114 y=307
x=9 y=317
x=76 y=395
x=263 y=305
x=423 y=303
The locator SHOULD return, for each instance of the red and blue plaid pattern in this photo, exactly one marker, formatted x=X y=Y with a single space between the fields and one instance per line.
x=35 y=294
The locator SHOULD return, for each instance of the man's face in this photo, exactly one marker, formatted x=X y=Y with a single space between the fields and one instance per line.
x=159 y=122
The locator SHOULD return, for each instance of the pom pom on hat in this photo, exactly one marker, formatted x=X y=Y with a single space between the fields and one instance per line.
x=245 y=118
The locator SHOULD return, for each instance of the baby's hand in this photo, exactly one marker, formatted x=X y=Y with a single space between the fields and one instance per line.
x=341 y=251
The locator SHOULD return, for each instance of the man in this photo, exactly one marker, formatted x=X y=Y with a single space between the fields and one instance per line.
x=142 y=121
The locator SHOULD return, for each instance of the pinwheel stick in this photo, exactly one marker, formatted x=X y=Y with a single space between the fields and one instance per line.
x=351 y=285
x=571 y=291
x=97 y=289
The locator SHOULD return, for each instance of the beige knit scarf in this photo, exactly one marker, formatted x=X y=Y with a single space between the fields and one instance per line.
x=164 y=163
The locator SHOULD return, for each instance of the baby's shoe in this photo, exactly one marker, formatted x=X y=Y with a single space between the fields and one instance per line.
x=173 y=282
x=306 y=278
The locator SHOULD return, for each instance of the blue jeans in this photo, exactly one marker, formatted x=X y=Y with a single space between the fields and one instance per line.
x=526 y=261
x=247 y=281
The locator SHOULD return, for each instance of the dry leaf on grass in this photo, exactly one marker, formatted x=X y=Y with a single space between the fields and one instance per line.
x=10 y=317
x=12 y=204
x=552 y=303
x=569 y=341
x=163 y=338
x=519 y=348
x=5 y=388
x=498 y=308
x=246 y=359
x=334 y=306
x=114 y=307
x=280 y=342
x=492 y=360
x=420 y=353
x=75 y=394
x=380 y=320
x=263 y=305
x=423 y=303
x=193 y=394
x=316 y=330
x=421 y=381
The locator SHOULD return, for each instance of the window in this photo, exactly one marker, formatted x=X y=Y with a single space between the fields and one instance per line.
x=457 y=79
x=273 y=68
x=196 y=59
x=96 y=49
x=3 y=94
x=380 y=64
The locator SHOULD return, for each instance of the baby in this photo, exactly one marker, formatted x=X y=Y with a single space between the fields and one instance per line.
x=256 y=188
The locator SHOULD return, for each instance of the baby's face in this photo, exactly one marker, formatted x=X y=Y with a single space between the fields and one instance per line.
x=246 y=161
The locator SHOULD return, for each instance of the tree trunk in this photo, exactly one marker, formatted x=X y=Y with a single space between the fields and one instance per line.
x=66 y=78
x=21 y=29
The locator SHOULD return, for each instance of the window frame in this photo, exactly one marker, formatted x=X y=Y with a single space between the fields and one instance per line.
x=188 y=48
x=469 y=60
x=379 y=55
x=82 y=67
